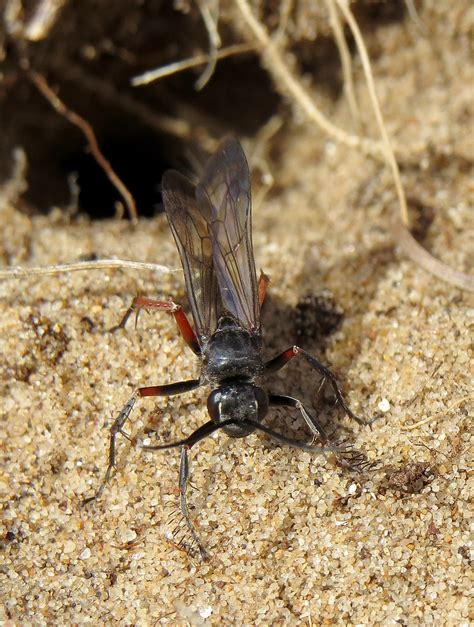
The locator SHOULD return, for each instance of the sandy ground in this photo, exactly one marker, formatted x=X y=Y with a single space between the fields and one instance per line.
x=293 y=538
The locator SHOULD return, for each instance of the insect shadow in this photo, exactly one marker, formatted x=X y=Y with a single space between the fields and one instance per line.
x=212 y=226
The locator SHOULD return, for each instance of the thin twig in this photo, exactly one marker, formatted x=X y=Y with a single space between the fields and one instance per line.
x=89 y=134
x=428 y=262
x=413 y=13
x=45 y=16
x=346 y=62
x=210 y=16
x=257 y=157
x=439 y=415
x=16 y=184
x=185 y=64
x=283 y=20
x=389 y=154
x=98 y=264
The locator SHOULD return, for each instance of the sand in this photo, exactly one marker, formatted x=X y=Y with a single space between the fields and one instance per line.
x=293 y=538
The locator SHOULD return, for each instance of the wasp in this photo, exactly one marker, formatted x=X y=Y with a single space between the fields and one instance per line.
x=212 y=226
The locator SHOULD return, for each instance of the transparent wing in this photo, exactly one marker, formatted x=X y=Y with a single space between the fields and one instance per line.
x=225 y=191
x=189 y=224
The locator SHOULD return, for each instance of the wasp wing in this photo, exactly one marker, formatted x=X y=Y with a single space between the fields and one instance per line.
x=189 y=222
x=225 y=189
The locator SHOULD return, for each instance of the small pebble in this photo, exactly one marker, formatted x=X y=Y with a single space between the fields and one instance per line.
x=69 y=546
x=205 y=612
x=128 y=536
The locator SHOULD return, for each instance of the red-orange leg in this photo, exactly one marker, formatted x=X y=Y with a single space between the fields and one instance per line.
x=163 y=305
x=263 y=282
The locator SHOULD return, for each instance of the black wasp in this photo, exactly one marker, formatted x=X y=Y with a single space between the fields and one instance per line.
x=212 y=226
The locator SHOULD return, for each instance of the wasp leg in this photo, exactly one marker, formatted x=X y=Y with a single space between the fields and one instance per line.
x=282 y=439
x=117 y=427
x=163 y=305
x=279 y=400
x=183 y=484
x=263 y=281
x=281 y=360
x=202 y=432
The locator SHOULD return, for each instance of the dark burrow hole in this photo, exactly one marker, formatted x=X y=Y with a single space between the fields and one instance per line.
x=239 y=100
x=90 y=56
x=138 y=158
x=56 y=150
